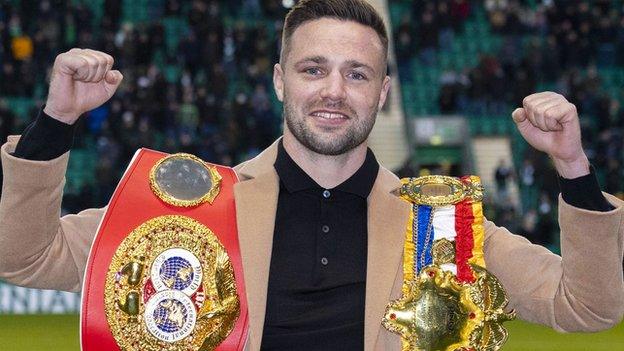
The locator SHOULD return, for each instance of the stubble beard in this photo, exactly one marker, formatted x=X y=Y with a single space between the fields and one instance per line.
x=333 y=144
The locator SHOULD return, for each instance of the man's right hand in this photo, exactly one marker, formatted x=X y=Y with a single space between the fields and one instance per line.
x=81 y=80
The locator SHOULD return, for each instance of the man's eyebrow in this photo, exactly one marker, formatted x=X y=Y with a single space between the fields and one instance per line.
x=315 y=59
x=358 y=64
x=322 y=60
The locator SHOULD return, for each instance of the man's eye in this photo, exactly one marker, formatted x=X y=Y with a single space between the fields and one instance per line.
x=315 y=71
x=357 y=76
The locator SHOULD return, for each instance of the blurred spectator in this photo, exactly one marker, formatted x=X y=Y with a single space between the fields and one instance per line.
x=22 y=47
x=545 y=220
x=450 y=88
x=404 y=48
x=427 y=35
x=527 y=185
x=502 y=175
x=528 y=227
x=460 y=10
x=7 y=121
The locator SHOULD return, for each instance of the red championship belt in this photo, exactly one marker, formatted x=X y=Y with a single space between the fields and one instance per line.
x=165 y=270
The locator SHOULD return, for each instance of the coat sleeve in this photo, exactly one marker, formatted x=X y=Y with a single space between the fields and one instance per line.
x=38 y=249
x=581 y=290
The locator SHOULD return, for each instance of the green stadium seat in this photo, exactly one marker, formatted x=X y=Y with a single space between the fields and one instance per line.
x=472 y=46
x=460 y=61
x=80 y=170
x=397 y=11
x=456 y=47
x=470 y=28
x=172 y=73
x=175 y=29
x=445 y=61
x=21 y=107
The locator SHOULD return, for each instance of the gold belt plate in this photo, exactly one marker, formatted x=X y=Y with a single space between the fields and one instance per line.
x=170 y=286
x=437 y=190
x=440 y=313
x=184 y=180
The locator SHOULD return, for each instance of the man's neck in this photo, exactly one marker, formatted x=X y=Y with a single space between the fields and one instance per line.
x=326 y=171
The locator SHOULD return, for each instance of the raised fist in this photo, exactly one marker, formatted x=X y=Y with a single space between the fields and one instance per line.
x=81 y=80
x=550 y=124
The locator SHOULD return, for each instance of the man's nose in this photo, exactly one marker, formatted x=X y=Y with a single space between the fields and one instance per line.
x=334 y=87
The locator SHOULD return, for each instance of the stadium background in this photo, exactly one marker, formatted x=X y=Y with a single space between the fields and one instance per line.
x=198 y=79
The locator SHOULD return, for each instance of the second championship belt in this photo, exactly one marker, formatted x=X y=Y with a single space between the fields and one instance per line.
x=449 y=300
x=165 y=271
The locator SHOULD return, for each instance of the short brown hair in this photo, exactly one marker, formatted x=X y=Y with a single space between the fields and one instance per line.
x=347 y=10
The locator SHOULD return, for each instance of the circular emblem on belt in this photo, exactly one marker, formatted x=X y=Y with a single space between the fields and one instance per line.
x=184 y=180
x=170 y=286
x=176 y=269
x=170 y=315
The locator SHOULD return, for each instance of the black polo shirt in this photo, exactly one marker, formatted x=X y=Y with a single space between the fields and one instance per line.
x=317 y=278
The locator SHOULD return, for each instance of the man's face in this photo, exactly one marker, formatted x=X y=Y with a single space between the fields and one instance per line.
x=332 y=83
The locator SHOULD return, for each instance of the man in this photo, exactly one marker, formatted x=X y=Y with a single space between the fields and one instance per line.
x=320 y=229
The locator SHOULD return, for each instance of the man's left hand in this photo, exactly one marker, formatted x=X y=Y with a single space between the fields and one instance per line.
x=550 y=123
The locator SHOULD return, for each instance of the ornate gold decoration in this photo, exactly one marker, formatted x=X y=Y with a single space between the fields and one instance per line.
x=439 y=190
x=474 y=189
x=213 y=309
x=440 y=313
x=184 y=180
x=443 y=251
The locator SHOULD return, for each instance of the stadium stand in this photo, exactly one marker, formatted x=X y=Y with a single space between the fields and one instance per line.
x=198 y=79
x=171 y=53
x=480 y=58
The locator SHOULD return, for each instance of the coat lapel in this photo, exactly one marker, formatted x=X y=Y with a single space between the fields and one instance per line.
x=387 y=218
x=256 y=204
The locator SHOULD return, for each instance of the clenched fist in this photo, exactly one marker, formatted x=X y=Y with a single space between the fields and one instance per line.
x=550 y=124
x=81 y=80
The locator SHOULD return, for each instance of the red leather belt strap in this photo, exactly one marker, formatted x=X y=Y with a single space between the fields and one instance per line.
x=134 y=203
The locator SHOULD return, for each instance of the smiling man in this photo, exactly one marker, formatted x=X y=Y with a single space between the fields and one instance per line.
x=321 y=230
x=332 y=80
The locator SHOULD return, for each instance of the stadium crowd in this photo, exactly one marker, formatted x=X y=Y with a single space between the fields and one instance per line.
x=198 y=78
x=206 y=92
x=558 y=45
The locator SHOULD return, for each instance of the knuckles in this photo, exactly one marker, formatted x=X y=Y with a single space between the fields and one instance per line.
x=550 y=113
x=91 y=58
x=547 y=104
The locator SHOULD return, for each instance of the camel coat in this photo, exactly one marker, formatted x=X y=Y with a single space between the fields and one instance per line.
x=581 y=291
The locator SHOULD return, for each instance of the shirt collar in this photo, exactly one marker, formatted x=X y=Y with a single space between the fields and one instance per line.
x=296 y=179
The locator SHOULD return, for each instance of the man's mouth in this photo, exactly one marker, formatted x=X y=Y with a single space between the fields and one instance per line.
x=330 y=115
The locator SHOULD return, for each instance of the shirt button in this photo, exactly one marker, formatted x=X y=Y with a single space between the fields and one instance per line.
x=326 y=194
x=325 y=229
x=324 y=261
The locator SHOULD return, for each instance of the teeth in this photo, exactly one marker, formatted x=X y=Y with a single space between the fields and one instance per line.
x=328 y=115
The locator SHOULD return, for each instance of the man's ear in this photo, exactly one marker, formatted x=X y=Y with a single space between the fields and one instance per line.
x=385 y=87
x=278 y=81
